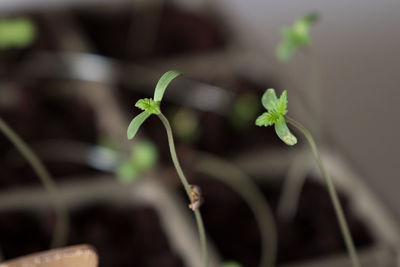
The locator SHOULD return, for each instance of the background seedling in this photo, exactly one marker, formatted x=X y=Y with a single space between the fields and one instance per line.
x=231 y=264
x=16 y=32
x=295 y=37
x=298 y=38
x=150 y=107
x=277 y=109
x=143 y=157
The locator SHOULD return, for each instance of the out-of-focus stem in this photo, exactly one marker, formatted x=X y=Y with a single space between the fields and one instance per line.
x=61 y=228
x=231 y=175
x=332 y=193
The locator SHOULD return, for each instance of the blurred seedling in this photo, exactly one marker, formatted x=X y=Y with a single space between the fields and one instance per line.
x=295 y=37
x=276 y=115
x=61 y=228
x=151 y=106
x=231 y=264
x=143 y=157
x=298 y=38
x=243 y=111
x=17 y=32
x=186 y=125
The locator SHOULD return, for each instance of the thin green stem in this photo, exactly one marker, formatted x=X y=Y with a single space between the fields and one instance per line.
x=199 y=220
x=245 y=187
x=332 y=192
x=61 y=228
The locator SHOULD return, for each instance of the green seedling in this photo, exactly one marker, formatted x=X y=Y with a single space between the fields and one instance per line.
x=16 y=32
x=151 y=106
x=275 y=115
x=143 y=157
x=295 y=37
x=277 y=109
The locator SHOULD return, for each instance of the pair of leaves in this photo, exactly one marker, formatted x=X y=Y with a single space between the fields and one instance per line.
x=277 y=109
x=151 y=106
x=296 y=36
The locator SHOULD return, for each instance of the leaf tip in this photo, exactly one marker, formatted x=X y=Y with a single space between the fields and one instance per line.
x=290 y=139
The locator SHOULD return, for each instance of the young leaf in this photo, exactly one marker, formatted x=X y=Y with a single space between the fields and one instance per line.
x=265 y=119
x=149 y=105
x=281 y=104
x=136 y=122
x=163 y=83
x=284 y=133
x=269 y=99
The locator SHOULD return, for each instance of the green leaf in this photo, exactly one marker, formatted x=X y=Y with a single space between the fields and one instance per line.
x=269 y=99
x=281 y=104
x=16 y=33
x=163 y=83
x=284 y=133
x=149 y=105
x=265 y=119
x=136 y=123
x=231 y=264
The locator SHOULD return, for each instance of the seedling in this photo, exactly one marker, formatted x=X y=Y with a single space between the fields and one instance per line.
x=151 y=106
x=276 y=115
x=295 y=37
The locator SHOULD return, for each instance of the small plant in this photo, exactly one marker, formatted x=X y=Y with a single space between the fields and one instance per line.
x=277 y=109
x=295 y=37
x=151 y=106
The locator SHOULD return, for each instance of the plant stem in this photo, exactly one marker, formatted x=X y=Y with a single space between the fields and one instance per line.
x=245 y=187
x=199 y=220
x=61 y=228
x=332 y=192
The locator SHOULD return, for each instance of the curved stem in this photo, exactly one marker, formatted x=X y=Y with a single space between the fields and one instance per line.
x=332 y=193
x=292 y=185
x=241 y=183
x=61 y=228
x=199 y=220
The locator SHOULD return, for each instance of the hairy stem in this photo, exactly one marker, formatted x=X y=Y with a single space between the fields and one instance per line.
x=332 y=193
x=199 y=220
x=61 y=228
x=231 y=175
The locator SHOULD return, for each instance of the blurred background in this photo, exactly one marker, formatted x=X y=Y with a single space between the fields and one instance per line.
x=71 y=72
